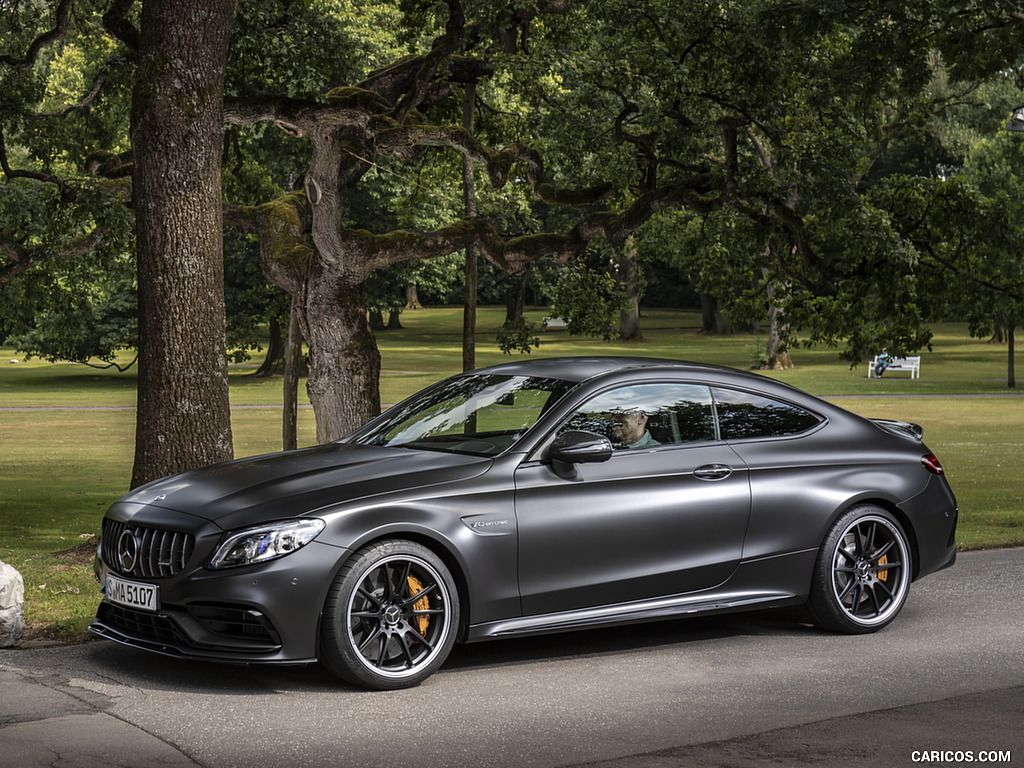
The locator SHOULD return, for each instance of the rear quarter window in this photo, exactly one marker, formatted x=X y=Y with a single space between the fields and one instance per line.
x=745 y=416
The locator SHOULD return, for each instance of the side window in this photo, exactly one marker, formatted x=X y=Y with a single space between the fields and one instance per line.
x=648 y=415
x=746 y=415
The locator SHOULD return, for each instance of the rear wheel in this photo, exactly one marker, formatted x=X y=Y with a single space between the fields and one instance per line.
x=391 y=616
x=862 y=574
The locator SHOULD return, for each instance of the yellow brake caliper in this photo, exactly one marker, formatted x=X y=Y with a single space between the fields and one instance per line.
x=423 y=604
x=883 y=573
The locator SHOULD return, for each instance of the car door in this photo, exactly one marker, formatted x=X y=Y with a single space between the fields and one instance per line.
x=664 y=518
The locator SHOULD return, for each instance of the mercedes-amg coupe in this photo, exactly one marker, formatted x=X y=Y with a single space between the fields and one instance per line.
x=532 y=497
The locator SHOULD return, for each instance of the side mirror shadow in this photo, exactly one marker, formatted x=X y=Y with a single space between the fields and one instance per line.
x=578 y=447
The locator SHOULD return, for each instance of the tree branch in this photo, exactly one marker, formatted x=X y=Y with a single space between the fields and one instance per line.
x=115 y=21
x=443 y=47
x=58 y=31
x=514 y=254
x=111 y=364
x=520 y=18
x=283 y=227
x=19 y=256
x=345 y=107
x=67 y=194
x=402 y=141
x=1010 y=291
x=89 y=97
x=23 y=259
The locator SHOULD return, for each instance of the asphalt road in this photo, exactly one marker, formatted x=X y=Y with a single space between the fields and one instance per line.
x=943 y=685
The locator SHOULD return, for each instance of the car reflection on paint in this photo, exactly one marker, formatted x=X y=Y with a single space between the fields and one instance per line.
x=531 y=497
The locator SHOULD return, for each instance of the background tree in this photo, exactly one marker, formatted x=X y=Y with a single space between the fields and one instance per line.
x=950 y=186
x=66 y=241
x=382 y=116
x=171 y=58
x=76 y=304
x=765 y=119
x=183 y=417
x=997 y=166
x=971 y=248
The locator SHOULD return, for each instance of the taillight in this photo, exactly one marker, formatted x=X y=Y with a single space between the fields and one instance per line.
x=931 y=463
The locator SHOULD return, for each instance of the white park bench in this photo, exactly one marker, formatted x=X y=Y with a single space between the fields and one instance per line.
x=912 y=364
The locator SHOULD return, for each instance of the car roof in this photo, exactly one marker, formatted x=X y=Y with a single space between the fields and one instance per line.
x=581 y=369
x=578 y=369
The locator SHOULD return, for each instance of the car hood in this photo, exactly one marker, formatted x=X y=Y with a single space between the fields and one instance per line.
x=275 y=486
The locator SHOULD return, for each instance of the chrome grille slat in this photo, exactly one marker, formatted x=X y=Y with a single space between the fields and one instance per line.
x=146 y=546
x=156 y=552
x=165 y=561
x=180 y=559
x=161 y=553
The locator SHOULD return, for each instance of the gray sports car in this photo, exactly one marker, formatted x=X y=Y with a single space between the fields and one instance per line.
x=531 y=497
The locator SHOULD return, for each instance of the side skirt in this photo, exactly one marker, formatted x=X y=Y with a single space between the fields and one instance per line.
x=739 y=594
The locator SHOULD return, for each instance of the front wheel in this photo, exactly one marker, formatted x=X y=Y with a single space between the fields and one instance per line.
x=862 y=575
x=391 y=616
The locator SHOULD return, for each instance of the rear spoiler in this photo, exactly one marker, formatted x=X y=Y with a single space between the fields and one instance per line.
x=900 y=428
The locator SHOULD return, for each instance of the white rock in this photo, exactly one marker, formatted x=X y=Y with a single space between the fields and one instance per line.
x=12 y=606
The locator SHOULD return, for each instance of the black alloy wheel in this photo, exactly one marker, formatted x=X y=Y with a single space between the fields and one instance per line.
x=391 y=616
x=863 y=573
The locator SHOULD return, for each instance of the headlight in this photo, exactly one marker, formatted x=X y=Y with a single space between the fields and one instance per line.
x=265 y=542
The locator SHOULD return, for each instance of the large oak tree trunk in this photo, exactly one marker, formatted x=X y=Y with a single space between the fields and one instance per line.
x=184 y=418
x=344 y=362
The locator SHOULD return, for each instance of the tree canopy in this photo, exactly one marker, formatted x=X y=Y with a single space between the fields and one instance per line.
x=779 y=151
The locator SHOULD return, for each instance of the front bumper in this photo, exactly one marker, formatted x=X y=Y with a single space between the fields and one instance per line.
x=261 y=614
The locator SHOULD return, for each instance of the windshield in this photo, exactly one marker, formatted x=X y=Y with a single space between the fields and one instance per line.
x=479 y=414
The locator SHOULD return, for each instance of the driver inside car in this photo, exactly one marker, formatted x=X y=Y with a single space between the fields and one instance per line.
x=629 y=431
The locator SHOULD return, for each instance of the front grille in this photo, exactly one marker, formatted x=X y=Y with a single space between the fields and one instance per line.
x=153 y=554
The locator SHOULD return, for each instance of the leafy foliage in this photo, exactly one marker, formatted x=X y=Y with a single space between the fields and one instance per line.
x=59 y=308
x=519 y=335
x=588 y=299
x=780 y=154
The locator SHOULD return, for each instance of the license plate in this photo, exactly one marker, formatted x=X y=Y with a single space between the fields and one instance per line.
x=133 y=594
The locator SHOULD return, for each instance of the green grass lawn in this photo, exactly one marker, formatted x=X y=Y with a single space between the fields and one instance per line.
x=67 y=454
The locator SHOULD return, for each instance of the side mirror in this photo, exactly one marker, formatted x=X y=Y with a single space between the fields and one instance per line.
x=578 y=447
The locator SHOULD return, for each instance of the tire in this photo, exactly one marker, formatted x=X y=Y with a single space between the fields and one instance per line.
x=863 y=572
x=391 y=616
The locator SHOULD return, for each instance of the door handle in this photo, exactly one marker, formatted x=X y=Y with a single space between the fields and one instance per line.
x=713 y=472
